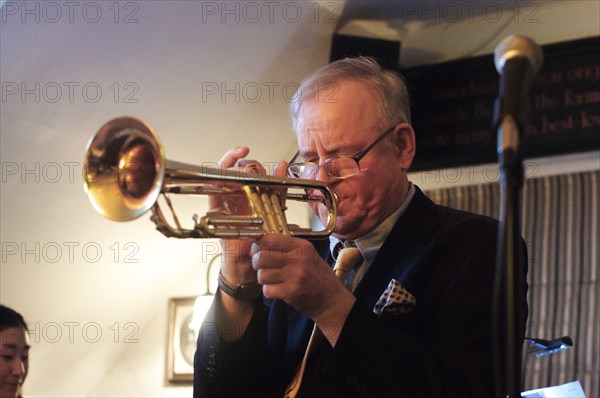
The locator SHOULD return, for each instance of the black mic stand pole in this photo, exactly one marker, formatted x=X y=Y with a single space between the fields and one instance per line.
x=508 y=269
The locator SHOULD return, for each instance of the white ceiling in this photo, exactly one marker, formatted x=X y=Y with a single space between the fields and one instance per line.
x=63 y=264
x=437 y=31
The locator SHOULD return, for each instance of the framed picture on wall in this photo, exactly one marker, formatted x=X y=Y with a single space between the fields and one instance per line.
x=182 y=340
x=186 y=315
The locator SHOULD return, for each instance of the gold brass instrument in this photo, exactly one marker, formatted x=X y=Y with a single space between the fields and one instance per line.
x=126 y=171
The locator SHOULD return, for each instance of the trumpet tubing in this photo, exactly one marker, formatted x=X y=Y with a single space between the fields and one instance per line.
x=127 y=171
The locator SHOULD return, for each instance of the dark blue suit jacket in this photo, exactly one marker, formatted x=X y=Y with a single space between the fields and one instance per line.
x=443 y=348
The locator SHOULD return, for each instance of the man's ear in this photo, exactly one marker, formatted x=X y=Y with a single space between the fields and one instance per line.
x=405 y=144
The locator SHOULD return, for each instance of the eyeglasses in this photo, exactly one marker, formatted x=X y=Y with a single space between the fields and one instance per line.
x=339 y=167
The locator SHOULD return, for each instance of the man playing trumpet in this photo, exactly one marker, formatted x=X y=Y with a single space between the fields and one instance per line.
x=411 y=317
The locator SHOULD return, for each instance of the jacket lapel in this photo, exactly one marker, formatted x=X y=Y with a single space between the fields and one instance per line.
x=400 y=252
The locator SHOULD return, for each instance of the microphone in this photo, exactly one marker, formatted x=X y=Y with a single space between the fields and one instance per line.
x=518 y=59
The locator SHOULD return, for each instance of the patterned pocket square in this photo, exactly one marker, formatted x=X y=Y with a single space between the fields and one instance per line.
x=395 y=300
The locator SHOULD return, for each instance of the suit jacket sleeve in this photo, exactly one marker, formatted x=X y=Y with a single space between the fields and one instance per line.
x=231 y=369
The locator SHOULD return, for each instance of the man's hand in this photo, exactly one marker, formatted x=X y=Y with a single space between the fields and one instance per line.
x=291 y=270
x=236 y=266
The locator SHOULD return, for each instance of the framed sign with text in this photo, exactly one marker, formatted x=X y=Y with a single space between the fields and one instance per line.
x=453 y=102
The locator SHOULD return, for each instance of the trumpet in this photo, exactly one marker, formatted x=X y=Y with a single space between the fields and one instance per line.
x=126 y=172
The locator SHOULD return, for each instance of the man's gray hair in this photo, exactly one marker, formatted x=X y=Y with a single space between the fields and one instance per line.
x=390 y=88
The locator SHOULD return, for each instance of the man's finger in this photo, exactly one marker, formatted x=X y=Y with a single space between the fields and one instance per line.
x=232 y=155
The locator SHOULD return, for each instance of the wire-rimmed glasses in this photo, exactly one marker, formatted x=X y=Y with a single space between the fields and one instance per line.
x=338 y=167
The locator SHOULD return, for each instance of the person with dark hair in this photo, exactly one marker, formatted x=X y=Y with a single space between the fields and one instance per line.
x=14 y=352
x=410 y=315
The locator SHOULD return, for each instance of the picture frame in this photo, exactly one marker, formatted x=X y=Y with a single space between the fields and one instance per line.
x=184 y=329
x=181 y=341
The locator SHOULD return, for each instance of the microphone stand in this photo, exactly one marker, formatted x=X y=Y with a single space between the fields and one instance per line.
x=508 y=279
x=510 y=111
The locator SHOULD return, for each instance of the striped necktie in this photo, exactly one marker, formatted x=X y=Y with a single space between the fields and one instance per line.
x=346 y=260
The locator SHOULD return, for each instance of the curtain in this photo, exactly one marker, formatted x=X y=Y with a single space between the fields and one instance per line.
x=560 y=225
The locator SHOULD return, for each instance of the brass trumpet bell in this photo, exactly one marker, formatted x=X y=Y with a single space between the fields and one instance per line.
x=124 y=169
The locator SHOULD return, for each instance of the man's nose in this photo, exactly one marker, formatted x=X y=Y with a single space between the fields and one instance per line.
x=323 y=175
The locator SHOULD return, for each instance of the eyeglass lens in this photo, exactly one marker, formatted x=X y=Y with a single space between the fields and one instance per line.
x=336 y=167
